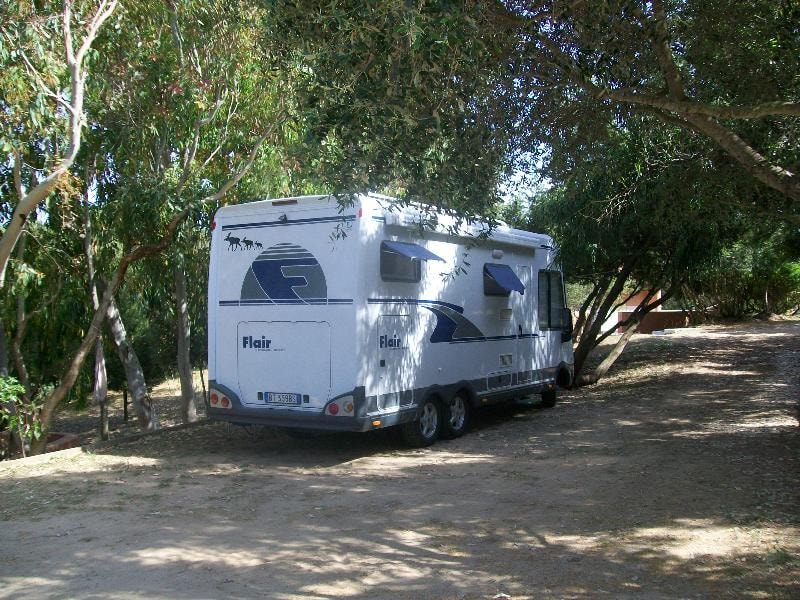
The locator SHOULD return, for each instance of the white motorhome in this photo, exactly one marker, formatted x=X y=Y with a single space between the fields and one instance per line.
x=355 y=319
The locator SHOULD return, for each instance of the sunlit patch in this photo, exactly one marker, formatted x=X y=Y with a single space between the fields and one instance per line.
x=685 y=539
x=83 y=463
x=399 y=463
x=155 y=557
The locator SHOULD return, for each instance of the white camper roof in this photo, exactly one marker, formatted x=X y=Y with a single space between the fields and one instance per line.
x=384 y=207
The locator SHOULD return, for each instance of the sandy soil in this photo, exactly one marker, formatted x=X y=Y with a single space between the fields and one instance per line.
x=676 y=478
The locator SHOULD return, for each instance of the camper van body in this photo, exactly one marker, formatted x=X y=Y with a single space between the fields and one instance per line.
x=355 y=319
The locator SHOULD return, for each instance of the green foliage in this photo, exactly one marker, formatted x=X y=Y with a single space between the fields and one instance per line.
x=634 y=200
x=572 y=61
x=757 y=273
x=397 y=96
x=17 y=413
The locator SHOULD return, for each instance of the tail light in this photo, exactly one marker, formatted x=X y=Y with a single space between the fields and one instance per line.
x=219 y=400
x=341 y=407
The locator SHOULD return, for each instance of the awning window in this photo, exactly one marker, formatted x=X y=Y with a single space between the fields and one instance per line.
x=410 y=250
x=504 y=277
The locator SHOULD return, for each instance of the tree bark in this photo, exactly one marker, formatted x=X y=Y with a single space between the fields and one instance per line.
x=188 y=405
x=3 y=351
x=22 y=323
x=100 y=394
x=631 y=324
x=134 y=375
x=589 y=337
x=612 y=357
x=582 y=312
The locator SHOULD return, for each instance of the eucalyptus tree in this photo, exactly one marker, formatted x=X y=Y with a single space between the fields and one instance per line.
x=724 y=71
x=185 y=128
x=44 y=66
x=179 y=121
x=400 y=96
x=638 y=212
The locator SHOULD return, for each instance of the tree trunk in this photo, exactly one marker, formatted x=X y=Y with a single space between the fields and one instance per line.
x=137 y=385
x=22 y=322
x=612 y=357
x=100 y=394
x=3 y=351
x=592 y=329
x=631 y=324
x=101 y=386
x=577 y=328
x=600 y=290
x=188 y=406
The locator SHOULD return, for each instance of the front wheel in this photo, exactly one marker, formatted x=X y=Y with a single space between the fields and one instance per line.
x=454 y=418
x=549 y=398
x=424 y=430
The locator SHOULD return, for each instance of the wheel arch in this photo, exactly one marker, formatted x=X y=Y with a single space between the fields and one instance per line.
x=564 y=376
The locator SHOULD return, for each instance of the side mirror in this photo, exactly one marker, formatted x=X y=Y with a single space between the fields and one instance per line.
x=566 y=320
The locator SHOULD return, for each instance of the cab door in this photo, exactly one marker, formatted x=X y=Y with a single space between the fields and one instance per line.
x=550 y=317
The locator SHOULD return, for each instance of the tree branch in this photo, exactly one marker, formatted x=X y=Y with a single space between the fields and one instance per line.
x=244 y=168
x=690 y=107
x=753 y=162
x=664 y=53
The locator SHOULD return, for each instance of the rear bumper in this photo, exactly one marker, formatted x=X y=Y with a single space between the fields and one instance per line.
x=281 y=418
x=238 y=414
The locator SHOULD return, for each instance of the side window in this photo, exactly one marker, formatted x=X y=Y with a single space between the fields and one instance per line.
x=556 y=300
x=551 y=300
x=491 y=287
x=397 y=267
x=543 y=300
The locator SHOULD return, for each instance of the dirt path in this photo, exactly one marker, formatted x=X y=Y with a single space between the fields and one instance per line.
x=677 y=478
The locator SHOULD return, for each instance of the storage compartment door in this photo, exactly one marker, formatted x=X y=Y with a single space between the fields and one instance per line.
x=395 y=361
x=284 y=364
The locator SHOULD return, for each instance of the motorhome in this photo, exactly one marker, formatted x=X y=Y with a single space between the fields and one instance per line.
x=362 y=315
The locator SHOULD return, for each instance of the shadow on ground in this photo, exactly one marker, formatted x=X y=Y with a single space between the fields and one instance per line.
x=679 y=480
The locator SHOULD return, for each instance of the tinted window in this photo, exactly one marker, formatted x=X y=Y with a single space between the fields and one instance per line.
x=551 y=300
x=491 y=287
x=396 y=267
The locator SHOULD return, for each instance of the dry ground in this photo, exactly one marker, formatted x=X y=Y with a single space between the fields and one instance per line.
x=676 y=478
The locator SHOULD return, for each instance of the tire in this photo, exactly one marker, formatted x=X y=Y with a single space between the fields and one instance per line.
x=549 y=398
x=455 y=417
x=424 y=429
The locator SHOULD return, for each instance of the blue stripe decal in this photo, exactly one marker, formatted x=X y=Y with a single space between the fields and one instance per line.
x=288 y=301
x=494 y=338
x=455 y=307
x=337 y=219
x=451 y=325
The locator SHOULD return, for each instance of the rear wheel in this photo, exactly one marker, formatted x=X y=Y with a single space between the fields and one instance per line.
x=455 y=415
x=549 y=398
x=424 y=430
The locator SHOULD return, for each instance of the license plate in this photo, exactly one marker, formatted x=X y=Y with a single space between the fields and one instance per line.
x=281 y=398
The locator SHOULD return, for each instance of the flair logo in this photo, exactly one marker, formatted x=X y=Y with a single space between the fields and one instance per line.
x=261 y=343
x=384 y=341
